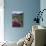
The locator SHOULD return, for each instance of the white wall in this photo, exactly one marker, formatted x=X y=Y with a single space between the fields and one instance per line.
x=43 y=6
x=1 y=21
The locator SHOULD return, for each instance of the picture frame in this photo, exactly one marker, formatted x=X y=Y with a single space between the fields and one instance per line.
x=17 y=18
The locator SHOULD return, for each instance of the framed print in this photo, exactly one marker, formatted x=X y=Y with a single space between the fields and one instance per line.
x=17 y=19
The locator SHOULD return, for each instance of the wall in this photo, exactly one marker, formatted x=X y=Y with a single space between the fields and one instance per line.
x=43 y=6
x=1 y=21
x=29 y=7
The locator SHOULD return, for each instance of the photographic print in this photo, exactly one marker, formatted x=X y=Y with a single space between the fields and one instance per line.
x=17 y=19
